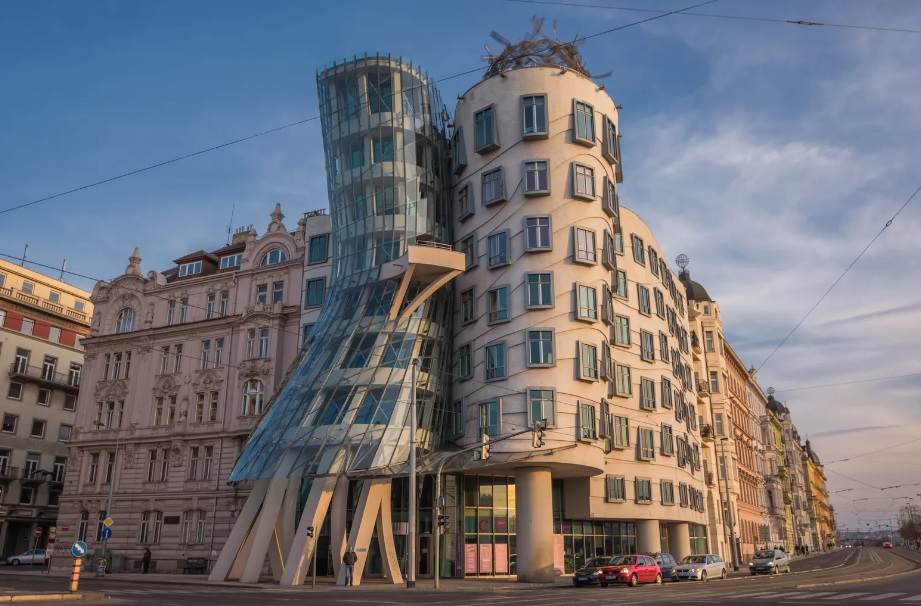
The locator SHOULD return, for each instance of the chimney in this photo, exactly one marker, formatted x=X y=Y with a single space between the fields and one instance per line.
x=240 y=234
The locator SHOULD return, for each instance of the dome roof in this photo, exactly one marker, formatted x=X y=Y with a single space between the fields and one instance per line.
x=776 y=407
x=693 y=290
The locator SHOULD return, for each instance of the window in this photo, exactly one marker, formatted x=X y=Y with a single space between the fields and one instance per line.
x=621 y=330
x=534 y=114
x=499 y=249
x=64 y=432
x=183 y=310
x=617 y=490
x=536 y=177
x=151 y=524
x=84 y=525
x=588 y=361
x=225 y=301
x=608 y=253
x=639 y=252
x=44 y=397
x=666 y=393
x=497 y=301
x=621 y=437
x=460 y=152
x=263 y=342
x=164 y=360
x=583 y=182
x=663 y=347
x=660 y=302
x=587 y=430
x=272 y=257
x=231 y=261
x=209 y=311
x=621 y=284
x=381 y=150
x=318 y=249
x=188 y=269
x=79 y=305
x=587 y=303
x=540 y=348
x=647 y=394
x=94 y=468
x=653 y=261
x=177 y=358
x=110 y=468
x=714 y=382
x=125 y=321
x=464 y=202
x=27 y=326
x=465 y=361
x=584 y=124
x=585 y=249
x=315 y=293
x=170 y=313
x=489 y=418
x=205 y=353
x=262 y=293
x=611 y=149
x=540 y=290
x=252 y=398
x=718 y=424
x=250 y=343
x=485 y=136
x=493 y=186
x=622 y=385
x=59 y=469
x=278 y=292
x=38 y=429
x=537 y=233
x=468 y=247
x=380 y=93
x=647 y=346
x=643 y=490
x=26 y=495
x=668 y=492
x=668 y=440
x=212 y=406
x=708 y=337
x=468 y=305
x=541 y=406
x=496 y=361
x=15 y=391
x=116 y=366
x=199 y=407
x=218 y=352
x=643 y=294
x=193 y=527
x=28 y=288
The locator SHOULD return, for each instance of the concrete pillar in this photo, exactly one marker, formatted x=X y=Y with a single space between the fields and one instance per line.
x=4 y=530
x=648 y=538
x=679 y=540
x=304 y=546
x=337 y=522
x=534 y=511
x=263 y=531
x=235 y=542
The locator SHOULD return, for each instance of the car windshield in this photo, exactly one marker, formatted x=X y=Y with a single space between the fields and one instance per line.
x=623 y=560
x=597 y=562
x=694 y=559
x=764 y=554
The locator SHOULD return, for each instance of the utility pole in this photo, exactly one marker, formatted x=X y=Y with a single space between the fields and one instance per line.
x=411 y=547
x=732 y=530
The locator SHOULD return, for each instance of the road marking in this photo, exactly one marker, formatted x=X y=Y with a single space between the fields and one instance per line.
x=882 y=596
x=806 y=596
x=846 y=595
x=779 y=595
x=916 y=598
x=752 y=595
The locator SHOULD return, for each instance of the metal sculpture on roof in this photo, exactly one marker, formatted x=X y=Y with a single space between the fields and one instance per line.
x=537 y=49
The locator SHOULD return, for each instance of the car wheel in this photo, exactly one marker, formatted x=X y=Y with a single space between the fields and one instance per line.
x=658 y=580
x=634 y=581
x=602 y=584
x=775 y=571
x=723 y=574
x=14 y=562
x=703 y=576
x=754 y=574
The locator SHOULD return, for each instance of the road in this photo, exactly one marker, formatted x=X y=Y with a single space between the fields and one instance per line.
x=835 y=578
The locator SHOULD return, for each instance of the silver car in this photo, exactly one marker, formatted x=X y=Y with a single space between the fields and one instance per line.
x=34 y=556
x=701 y=568
x=769 y=561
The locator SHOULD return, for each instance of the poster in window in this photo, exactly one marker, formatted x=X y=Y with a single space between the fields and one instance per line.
x=470 y=564
x=486 y=558
x=558 y=559
x=501 y=558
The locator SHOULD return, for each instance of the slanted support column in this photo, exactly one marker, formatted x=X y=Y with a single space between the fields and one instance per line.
x=235 y=542
x=648 y=539
x=534 y=510
x=375 y=496
x=337 y=522
x=303 y=547
x=264 y=530
x=679 y=540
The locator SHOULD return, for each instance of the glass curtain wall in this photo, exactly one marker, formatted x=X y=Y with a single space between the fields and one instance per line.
x=344 y=408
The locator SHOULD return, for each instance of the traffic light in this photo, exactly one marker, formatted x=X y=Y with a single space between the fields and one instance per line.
x=537 y=437
x=484 y=449
x=310 y=531
x=887 y=526
x=443 y=521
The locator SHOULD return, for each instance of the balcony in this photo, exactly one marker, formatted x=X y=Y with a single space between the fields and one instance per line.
x=427 y=266
x=695 y=343
x=34 y=476
x=44 y=376
x=706 y=432
x=8 y=473
x=45 y=304
x=710 y=480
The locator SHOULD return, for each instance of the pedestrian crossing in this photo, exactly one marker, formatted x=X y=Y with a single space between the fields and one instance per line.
x=832 y=596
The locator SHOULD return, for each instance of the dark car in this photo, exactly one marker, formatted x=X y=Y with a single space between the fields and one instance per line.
x=590 y=574
x=667 y=565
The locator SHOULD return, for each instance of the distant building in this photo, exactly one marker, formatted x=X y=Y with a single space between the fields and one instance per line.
x=821 y=535
x=42 y=324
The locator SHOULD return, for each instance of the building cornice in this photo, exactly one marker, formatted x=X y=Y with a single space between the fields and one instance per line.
x=60 y=321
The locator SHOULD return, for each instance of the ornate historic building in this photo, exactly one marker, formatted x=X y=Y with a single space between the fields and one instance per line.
x=180 y=366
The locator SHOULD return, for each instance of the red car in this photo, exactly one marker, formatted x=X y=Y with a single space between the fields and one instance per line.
x=631 y=569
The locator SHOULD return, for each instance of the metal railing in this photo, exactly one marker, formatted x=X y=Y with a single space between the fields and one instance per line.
x=35 y=475
x=433 y=244
x=19 y=369
x=8 y=473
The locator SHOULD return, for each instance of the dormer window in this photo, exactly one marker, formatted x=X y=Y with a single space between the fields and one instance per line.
x=189 y=269
x=273 y=256
x=231 y=261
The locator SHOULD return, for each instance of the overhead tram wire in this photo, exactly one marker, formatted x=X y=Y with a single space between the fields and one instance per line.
x=317 y=117
x=914 y=374
x=800 y=22
x=844 y=273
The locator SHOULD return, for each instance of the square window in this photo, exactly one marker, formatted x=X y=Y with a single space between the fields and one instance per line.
x=586 y=303
x=468 y=305
x=464 y=202
x=541 y=351
x=28 y=288
x=15 y=390
x=489 y=421
x=648 y=394
x=496 y=361
x=465 y=361
x=534 y=116
x=44 y=397
x=499 y=253
x=541 y=406
x=583 y=182
x=587 y=429
x=54 y=297
x=622 y=384
x=588 y=361
x=9 y=423
x=537 y=233
x=639 y=252
x=643 y=294
x=621 y=285
x=617 y=490
x=539 y=291
x=647 y=346
x=468 y=247
x=70 y=402
x=621 y=432
x=38 y=428
x=622 y=331
x=584 y=122
x=647 y=444
x=585 y=250
x=497 y=303
x=64 y=433
x=487 y=138
x=319 y=246
x=536 y=178
x=493 y=186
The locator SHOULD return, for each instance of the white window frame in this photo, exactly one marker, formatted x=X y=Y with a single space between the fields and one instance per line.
x=465 y=202
x=231 y=261
x=577 y=250
x=589 y=139
x=527 y=290
x=489 y=177
x=538 y=228
x=473 y=296
x=503 y=345
x=490 y=320
x=528 y=340
x=190 y=269
x=582 y=376
x=534 y=165
x=592 y=293
x=493 y=143
x=585 y=175
x=499 y=236
x=619 y=495
x=536 y=134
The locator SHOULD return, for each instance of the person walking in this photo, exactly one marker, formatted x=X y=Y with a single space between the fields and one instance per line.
x=145 y=561
x=349 y=559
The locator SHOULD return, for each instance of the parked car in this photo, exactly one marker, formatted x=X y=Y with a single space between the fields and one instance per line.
x=33 y=556
x=667 y=565
x=769 y=561
x=631 y=569
x=590 y=574
x=887 y=545
x=702 y=567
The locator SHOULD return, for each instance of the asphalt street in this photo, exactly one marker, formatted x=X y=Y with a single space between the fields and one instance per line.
x=835 y=578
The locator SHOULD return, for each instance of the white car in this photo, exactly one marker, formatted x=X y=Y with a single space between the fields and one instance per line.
x=701 y=568
x=34 y=556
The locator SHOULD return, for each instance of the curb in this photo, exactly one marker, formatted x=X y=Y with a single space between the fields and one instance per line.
x=876 y=578
x=51 y=597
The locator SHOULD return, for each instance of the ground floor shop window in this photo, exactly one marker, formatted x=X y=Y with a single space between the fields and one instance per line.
x=698 y=534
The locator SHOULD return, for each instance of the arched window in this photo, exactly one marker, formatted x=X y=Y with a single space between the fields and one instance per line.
x=125 y=321
x=193 y=526
x=274 y=256
x=151 y=522
x=84 y=526
x=252 y=397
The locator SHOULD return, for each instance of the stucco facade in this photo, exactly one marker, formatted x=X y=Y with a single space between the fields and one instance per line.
x=42 y=324
x=820 y=536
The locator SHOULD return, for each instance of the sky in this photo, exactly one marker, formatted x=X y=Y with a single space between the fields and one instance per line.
x=770 y=154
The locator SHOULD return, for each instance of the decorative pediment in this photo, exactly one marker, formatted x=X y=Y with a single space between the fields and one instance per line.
x=257 y=315
x=166 y=386
x=207 y=380
x=111 y=390
x=257 y=368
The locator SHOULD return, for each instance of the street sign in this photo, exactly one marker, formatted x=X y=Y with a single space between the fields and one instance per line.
x=49 y=548
x=106 y=534
x=108 y=522
x=78 y=549
x=65 y=528
x=38 y=532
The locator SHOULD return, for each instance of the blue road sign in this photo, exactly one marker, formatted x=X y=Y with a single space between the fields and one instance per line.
x=106 y=533
x=78 y=549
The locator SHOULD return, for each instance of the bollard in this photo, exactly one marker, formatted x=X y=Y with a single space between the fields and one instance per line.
x=75 y=577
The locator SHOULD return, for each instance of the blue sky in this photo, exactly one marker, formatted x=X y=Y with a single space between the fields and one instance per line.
x=770 y=154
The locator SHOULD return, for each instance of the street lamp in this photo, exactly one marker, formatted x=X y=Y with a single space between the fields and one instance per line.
x=732 y=530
